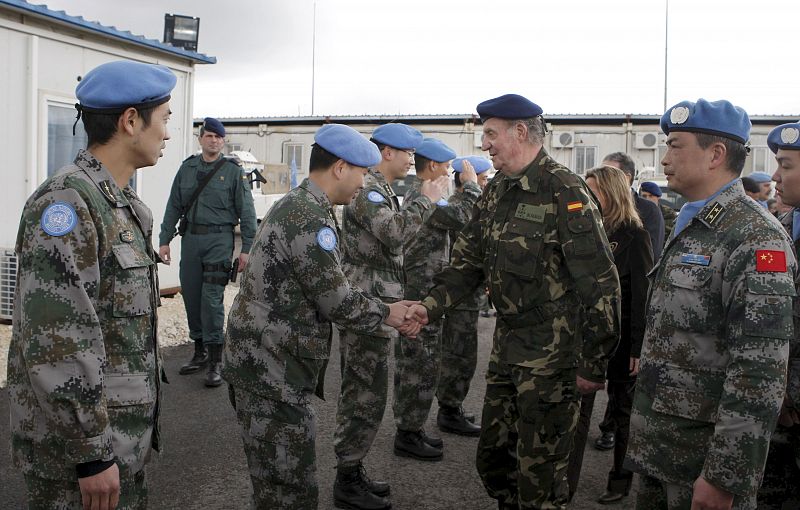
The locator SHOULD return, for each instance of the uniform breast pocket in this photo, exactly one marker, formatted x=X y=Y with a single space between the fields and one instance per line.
x=217 y=193
x=132 y=290
x=520 y=251
x=687 y=297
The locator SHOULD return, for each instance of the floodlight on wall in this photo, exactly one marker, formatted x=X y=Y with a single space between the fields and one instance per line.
x=181 y=31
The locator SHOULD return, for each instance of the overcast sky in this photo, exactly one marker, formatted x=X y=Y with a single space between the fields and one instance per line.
x=445 y=56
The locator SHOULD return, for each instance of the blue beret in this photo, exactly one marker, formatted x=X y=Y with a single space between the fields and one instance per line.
x=478 y=163
x=719 y=118
x=435 y=150
x=213 y=125
x=786 y=136
x=509 y=106
x=347 y=143
x=760 y=177
x=651 y=188
x=398 y=136
x=115 y=86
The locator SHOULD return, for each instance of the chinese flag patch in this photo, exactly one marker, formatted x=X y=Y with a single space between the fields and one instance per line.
x=574 y=206
x=770 y=261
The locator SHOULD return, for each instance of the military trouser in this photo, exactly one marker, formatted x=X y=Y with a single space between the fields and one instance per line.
x=44 y=494
x=362 y=399
x=529 y=416
x=205 y=260
x=459 y=356
x=657 y=495
x=781 y=486
x=278 y=441
x=620 y=402
x=415 y=376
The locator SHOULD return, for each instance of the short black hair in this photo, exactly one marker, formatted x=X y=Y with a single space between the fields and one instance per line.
x=420 y=162
x=736 y=152
x=321 y=159
x=624 y=161
x=457 y=178
x=750 y=185
x=100 y=127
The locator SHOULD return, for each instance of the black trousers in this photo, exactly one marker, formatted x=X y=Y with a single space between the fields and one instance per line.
x=620 y=403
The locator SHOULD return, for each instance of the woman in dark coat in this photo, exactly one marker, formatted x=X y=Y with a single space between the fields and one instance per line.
x=633 y=256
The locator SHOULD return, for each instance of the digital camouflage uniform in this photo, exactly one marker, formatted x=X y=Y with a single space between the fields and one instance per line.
x=374 y=230
x=670 y=216
x=458 y=356
x=781 y=485
x=424 y=255
x=538 y=240
x=279 y=339
x=83 y=366
x=207 y=245
x=716 y=345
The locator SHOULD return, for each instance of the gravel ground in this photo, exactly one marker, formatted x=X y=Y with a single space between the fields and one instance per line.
x=172 y=327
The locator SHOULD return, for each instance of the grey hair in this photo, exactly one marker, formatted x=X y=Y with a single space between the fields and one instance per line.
x=535 y=127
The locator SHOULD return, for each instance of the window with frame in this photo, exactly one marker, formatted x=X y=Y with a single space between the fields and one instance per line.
x=585 y=158
x=761 y=160
x=62 y=145
x=293 y=151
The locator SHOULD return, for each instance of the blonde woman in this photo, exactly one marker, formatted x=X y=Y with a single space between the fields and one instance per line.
x=633 y=256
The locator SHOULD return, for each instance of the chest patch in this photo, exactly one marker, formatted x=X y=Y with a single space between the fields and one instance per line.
x=695 y=259
x=126 y=236
x=59 y=219
x=530 y=212
x=326 y=238
x=375 y=197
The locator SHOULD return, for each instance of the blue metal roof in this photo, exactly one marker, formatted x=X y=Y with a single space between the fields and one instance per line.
x=113 y=32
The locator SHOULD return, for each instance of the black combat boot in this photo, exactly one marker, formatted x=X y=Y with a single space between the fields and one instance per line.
x=619 y=485
x=436 y=442
x=214 y=374
x=605 y=441
x=352 y=489
x=198 y=361
x=410 y=444
x=452 y=419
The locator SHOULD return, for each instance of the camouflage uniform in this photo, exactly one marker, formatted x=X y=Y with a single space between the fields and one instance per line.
x=459 y=353
x=538 y=240
x=713 y=364
x=670 y=216
x=424 y=255
x=781 y=484
x=84 y=368
x=279 y=339
x=374 y=232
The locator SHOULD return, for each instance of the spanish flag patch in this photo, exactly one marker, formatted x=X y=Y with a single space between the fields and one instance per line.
x=574 y=206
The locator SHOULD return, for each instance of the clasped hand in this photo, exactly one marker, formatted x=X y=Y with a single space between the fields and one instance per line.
x=405 y=318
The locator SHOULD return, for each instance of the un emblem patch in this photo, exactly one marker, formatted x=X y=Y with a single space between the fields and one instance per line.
x=59 y=219
x=326 y=238
x=374 y=197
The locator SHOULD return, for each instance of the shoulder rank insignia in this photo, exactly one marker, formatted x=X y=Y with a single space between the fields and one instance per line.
x=696 y=259
x=374 y=197
x=126 y=236
x=714 y=213
x=105 y=187
x=59 y=219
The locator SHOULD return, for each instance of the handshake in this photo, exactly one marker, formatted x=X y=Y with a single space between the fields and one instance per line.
x=407 y=317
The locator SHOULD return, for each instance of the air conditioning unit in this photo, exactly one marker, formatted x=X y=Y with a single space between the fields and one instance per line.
x=8 y=282
x=646 y=141
x=562 y=139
